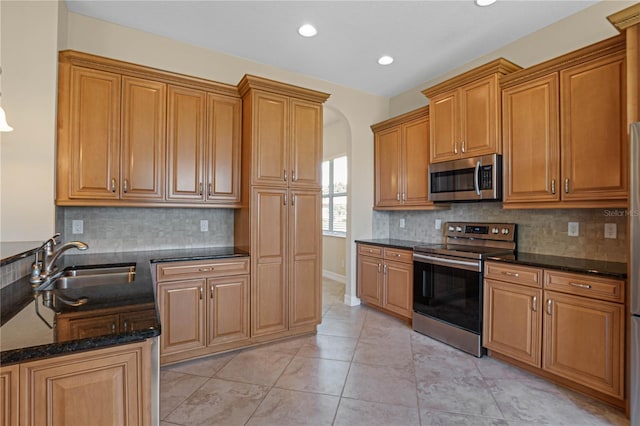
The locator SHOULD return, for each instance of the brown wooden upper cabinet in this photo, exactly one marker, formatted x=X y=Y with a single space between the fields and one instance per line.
x=130 y=135
x=401 y=161
x=465 y=113
x=564 y=131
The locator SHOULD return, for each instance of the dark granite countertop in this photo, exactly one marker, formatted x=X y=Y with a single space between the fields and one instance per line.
x=25 y=336
x=392 y=242
x=569 y=264
x=15 y=250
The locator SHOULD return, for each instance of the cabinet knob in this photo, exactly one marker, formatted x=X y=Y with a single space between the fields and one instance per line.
x=125 y=186
x=211 y=294
x=534 y=304
x=566 y=185
x=113 y=327
x=549 y=302
x=455 y=148
x=404 y=196
x=285 y=175
x=293 y=175
x=200 y=188
x=553 y=186
x=126 y=325
x=200 y=290
x=397 y=196
x=463 y=147
x=113 y=184
x=210 y=190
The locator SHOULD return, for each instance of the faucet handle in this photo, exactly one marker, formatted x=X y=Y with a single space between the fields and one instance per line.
x=48 y=245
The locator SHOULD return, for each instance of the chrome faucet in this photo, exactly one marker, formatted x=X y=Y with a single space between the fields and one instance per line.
x=42 y=270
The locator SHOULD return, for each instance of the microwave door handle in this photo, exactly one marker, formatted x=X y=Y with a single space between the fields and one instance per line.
x=476 y=180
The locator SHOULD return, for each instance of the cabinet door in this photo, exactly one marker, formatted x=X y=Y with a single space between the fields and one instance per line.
x=512 y=322
x=370 y=280
x=269 y=269
x=9 y=395
x=139 y=320
x=398 y=288
x=531 y=141
x=479 y=118
x=270 y=139
x=306 y=144
x=415 y=160
x=594 y=134
x=185 y=144
x=228 y=310
x=102 y=387
x=181 y=305
x=94 y=134
x=387 y=165
x=79 y=328
x=143 y=139
x=223 y=149
x=444 y=127
x=305 y=263
x=584 y=341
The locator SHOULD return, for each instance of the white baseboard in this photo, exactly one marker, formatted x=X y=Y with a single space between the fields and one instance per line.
x=333 y=276
x=351 y=300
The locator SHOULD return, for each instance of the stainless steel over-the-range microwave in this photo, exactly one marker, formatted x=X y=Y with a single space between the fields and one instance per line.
x=468 y=179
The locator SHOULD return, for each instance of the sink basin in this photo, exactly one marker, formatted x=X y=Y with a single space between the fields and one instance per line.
x=94 y=276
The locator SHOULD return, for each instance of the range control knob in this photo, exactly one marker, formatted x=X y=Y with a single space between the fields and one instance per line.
x=505 y=231
x=459 y=228
x=495 y=230
x=451 y=228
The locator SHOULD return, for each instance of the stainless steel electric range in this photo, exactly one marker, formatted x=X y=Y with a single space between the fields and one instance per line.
x=447 y=295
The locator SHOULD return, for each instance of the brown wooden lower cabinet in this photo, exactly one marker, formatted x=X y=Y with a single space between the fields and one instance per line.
x=386 y=283
x=101 y=387
x=570 y=326
x=79 y=325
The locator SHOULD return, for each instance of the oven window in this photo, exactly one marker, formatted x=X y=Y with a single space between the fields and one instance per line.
x=449 y=294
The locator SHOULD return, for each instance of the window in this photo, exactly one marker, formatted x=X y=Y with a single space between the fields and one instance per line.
x=334 y=197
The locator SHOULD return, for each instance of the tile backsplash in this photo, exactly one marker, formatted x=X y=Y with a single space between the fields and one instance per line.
x=539 y=231
x=119 y=229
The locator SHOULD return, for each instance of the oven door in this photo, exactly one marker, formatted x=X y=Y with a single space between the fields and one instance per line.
x=448 y=289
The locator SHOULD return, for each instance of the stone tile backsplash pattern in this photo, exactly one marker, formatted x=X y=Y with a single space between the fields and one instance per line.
x=117 y=229
x=539 y=231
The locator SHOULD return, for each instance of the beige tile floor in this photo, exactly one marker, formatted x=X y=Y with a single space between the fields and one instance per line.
x=365 y=368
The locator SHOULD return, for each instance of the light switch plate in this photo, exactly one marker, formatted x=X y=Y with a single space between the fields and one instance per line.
x=611 y=230
x=573 y=229
x=77 y=226
x=438 y=223
x=402 y=223
x=204 y=225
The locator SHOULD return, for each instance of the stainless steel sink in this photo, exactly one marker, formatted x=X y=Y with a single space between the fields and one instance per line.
x=94 y=276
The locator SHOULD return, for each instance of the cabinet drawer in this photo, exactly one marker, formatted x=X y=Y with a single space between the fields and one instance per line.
x=367 y=250
x=516 y=274
x=585 y=285
x=398 y=255
x=198 y=269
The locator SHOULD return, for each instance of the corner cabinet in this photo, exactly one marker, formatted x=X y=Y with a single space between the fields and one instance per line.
x=280 y=221
x=565 y=140
x=401 y=162
x=465 y=113
x=204 y=307
x=385 y=279
x=130 y=135
x=103 y=386
x=567 y=326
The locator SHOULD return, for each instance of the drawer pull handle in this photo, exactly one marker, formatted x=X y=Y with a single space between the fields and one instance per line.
x=126 y=326
x=125 y=186
x=535 y=304
x=385 y=269
x=211 y=294
x=549 y=306
x=553 y=186
x=379 y=266
x=200 y=290
x=511 y=274
x=113 y=327
x=580 y=285
x=566 y=185
x=113 y=185
x=206 y=269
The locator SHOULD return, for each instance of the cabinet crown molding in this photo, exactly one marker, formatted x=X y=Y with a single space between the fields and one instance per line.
x=613 y=45
x=499 y=66
x=626 y=18
x=407 y=116
x=254 y=82
x=88 y=60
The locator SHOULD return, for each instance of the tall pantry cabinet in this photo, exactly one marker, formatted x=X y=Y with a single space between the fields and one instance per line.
x=280 y=221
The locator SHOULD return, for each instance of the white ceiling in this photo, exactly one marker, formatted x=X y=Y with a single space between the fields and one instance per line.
x=426 y=38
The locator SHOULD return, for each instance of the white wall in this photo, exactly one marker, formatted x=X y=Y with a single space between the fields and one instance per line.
x=582 y=29
x=29 y=49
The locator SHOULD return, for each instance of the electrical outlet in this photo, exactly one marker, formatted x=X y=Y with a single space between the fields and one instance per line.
x=611 y=230
x=402 y=223
x=573 y=229
x=438 y=223
x=77 y=226
x=204 y=225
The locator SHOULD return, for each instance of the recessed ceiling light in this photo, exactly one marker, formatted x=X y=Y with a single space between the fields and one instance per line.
x=483 y=3
x=385 y=60
x=307 y=30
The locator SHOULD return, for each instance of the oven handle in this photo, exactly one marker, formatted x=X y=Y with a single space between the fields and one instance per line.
x=476 y=179
x=447 y=262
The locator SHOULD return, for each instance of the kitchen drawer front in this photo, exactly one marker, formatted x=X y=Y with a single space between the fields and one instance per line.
x=516 y=274
x=398 y=255
x=585 y=285
x=367 y=250
x=198 y=269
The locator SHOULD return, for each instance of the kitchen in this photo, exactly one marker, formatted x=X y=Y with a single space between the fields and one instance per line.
x=18 y=159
